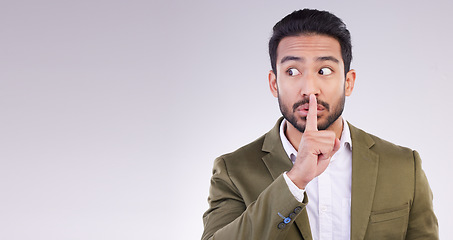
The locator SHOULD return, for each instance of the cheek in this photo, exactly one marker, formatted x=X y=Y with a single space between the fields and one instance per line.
x=288 y=86
x=334 y=88
x=288 y=94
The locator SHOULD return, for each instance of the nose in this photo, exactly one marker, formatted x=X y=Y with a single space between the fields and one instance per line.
x=309 y=85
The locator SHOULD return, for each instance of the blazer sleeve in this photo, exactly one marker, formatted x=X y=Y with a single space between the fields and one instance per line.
x=229 y=218
x=422 y=220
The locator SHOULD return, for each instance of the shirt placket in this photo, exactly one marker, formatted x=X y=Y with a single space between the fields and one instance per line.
x=325 y=205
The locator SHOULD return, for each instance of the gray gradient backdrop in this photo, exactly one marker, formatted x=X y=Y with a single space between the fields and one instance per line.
x=112 y=112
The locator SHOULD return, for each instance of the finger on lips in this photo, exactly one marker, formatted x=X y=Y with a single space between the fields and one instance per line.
x=312 y=116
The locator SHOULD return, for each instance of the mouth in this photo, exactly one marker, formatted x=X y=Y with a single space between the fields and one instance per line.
x=303 y=109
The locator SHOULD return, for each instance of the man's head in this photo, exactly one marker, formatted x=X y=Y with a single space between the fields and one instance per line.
x=310 y=53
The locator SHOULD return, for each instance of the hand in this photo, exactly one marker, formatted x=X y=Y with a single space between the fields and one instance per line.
x=315 y=150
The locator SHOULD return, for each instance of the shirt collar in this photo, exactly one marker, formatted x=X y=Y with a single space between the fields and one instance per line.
x=345 y=140
x=289 y=149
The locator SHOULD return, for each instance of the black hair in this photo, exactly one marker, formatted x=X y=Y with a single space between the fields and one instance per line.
x=307 y=22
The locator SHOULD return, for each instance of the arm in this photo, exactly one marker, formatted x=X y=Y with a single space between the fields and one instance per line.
x=229 y=218
x=422 y=221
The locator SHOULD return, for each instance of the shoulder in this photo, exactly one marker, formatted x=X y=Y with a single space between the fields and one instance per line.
x=378 y=145
x=395 y=162
x=253 y=152
x=394 y=166
x=388 y=148
x=247 y=153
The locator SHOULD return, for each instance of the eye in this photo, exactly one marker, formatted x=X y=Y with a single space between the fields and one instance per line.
x=293 y=72
x=325 y=71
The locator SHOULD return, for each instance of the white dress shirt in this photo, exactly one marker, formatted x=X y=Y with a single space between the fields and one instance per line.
x=329 y=194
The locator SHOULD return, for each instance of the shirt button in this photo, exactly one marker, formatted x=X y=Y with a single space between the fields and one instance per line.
x=323 y=208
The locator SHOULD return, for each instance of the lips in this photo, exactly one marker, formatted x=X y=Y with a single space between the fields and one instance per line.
x=303 y=109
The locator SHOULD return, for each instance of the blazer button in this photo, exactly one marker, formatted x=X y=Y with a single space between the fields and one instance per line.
x=281 y=225
x=297 y=210
x=287 y=220
x=292 y=215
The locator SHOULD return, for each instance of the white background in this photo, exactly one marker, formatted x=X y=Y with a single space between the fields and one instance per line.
x=112 y=112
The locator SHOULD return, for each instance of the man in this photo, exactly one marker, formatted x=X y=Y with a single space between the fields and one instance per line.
x=314 y=175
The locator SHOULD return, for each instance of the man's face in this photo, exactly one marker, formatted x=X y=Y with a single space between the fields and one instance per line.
x=310 y=64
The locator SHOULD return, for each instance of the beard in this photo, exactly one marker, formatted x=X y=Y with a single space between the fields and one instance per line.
x=289 y=114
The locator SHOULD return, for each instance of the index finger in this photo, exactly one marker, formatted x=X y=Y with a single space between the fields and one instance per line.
x=312 y=116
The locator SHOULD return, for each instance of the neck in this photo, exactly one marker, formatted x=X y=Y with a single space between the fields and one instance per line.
x=294 y=136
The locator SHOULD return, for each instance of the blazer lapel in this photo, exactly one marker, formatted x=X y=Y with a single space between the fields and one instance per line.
x=365 y=164
x=277 y=162
x=276 y=159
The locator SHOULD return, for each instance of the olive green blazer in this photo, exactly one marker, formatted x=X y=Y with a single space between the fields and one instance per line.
x=390 y=195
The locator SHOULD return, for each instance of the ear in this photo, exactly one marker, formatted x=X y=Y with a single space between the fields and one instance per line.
x=349 y=82
x=273 y=83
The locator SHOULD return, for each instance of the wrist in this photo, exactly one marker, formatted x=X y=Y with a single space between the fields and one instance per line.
x=297 y=180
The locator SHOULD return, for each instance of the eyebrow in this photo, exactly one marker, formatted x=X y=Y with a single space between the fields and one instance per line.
x=290 y=58
x=299 y=59
x=328 y=58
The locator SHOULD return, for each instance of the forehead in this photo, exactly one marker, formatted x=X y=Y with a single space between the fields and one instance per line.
x=308 y=46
